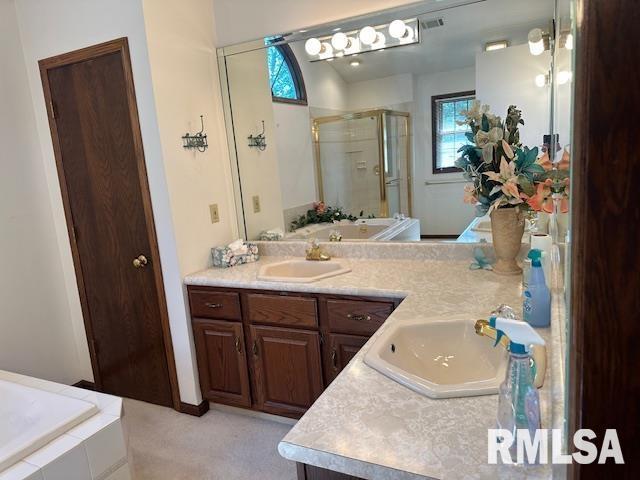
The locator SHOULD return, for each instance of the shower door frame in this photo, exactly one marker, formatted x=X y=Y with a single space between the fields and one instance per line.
x=380 y=115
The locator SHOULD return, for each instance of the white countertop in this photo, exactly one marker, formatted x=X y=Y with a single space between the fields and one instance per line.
x=367 y=425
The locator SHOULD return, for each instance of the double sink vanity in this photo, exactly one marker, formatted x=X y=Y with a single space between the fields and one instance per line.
x=374 y=349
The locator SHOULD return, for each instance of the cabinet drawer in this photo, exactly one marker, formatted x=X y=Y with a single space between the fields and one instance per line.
x=213 y=304
x=282 y=310
x=357 y=317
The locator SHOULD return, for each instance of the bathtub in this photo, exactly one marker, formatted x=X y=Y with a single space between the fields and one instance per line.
x=373 y=229
x=30 y=418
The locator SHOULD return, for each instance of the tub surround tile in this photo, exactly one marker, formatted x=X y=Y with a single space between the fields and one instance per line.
x=105 y=450
x=93 y=450
x=21 y=471
x=369 y=426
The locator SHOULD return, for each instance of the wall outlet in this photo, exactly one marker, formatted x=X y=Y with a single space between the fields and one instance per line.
x=256 y=204
x=213 y=211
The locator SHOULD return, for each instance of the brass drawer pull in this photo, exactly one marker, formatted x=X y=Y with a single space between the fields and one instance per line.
x=359 y=317
x=334 y=360
x=213 y=305
x=238 y=345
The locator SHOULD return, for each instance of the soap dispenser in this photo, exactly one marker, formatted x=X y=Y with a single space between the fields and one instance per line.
x=518 y=401
x=536 y=307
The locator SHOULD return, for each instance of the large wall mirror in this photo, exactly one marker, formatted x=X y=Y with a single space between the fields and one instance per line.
x=353 y=131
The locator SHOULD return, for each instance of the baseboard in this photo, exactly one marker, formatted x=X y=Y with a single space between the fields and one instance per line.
x=86 y=384
x=195 y=410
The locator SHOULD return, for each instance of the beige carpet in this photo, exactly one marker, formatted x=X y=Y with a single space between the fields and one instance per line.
x=221 y=445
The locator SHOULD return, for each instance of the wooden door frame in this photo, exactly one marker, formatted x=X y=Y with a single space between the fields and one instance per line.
x=604 y=386
x=119 y=45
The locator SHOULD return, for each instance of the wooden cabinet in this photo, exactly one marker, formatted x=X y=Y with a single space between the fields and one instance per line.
x=286 y=367
x=263 y=350
x=339 y=350
x=357 y=317
x=222 y=361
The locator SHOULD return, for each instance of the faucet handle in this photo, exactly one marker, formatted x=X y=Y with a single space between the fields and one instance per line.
x=505 y=311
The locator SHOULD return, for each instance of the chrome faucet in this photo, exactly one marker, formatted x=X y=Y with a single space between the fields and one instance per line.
x=316 y=253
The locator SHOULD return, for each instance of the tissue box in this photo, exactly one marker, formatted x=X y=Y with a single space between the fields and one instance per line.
x=223 y=257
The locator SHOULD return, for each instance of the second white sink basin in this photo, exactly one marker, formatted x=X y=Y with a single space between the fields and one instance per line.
x=301 y=271
x=440 y=358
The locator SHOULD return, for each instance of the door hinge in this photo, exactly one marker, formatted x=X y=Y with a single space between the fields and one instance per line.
x=321 y=339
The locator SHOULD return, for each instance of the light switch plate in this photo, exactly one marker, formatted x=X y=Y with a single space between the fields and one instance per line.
x=256 y=204
x=213 y=211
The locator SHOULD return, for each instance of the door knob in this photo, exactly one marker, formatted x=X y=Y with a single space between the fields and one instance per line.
x=140 y=261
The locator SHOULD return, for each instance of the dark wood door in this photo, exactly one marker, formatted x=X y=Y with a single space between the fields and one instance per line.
x=100 y=161
x=286 y=367
x=222 y=361
x=339 y=351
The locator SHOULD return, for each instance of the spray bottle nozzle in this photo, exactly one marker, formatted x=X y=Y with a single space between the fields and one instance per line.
x=521 y=334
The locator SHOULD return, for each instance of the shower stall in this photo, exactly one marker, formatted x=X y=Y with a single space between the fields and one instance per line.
x=363 y=162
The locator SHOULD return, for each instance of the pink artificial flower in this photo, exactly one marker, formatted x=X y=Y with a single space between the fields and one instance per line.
x=542 y=200
x=319 y=207
x=470 y=195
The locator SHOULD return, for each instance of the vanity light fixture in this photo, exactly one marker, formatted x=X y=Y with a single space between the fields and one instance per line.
x=368 y=38
x=536 y=41
x=568 y=41
x=499 y=45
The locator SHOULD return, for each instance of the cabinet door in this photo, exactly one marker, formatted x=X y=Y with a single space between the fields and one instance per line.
x=286 y=367
x=222 y=361
x=339 y=351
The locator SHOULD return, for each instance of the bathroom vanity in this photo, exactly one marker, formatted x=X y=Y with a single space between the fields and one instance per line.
x=275 y=347
x=276 y=351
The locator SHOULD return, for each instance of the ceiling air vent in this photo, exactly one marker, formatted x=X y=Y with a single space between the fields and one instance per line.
x=433 y=23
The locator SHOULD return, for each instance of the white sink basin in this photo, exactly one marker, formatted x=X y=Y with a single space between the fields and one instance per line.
x=439 y=358
x=301 y=271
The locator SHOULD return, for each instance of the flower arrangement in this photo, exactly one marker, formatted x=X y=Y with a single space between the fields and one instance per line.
x=552 y=184
x=321 y=213
x=504 y=173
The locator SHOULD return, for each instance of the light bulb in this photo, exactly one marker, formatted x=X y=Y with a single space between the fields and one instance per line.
x=354 y=63
x=339 y=41
x=368 y=35
x=397 y=29
x=313 y=46
x=564 y=77
x=353 y=46
x=380 y=41
x=541 y=80
x=568 y=43
x=536 y=41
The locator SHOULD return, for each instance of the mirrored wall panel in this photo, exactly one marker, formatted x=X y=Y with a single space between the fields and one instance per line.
x=394 y=126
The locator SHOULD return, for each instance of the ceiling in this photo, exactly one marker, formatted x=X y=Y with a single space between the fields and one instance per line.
x=466 y=30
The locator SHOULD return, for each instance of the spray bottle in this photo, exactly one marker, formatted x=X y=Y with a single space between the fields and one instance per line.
x=518 y=402
x=537 y=297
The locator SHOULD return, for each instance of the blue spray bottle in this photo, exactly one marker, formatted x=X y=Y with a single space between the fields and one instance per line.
x=518 y=401
x=536 y=308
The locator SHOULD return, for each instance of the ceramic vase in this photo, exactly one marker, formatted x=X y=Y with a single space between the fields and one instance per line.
x=507 y=228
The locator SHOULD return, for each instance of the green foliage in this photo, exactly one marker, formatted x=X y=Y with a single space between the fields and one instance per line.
x=322 y=215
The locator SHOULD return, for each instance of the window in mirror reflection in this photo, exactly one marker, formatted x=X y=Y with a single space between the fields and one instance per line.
x=285 y=77
x=448 y=136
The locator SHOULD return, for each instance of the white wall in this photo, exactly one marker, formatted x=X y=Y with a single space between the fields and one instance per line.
x=51 y=28
x=244 y=20
x=516 y=85
x=251 y=104
x=439 y=207
x=183 y=59
x=36 y=334
x=380 y=92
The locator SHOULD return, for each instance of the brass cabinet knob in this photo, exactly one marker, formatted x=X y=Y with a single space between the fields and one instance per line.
x=140 y=261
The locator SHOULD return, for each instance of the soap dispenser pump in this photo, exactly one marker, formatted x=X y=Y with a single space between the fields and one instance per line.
x=518 y=401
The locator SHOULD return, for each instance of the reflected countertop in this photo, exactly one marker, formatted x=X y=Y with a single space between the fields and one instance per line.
x=367 y=425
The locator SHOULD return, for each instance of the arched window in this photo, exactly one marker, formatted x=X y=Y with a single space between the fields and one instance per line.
x=285 y=77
